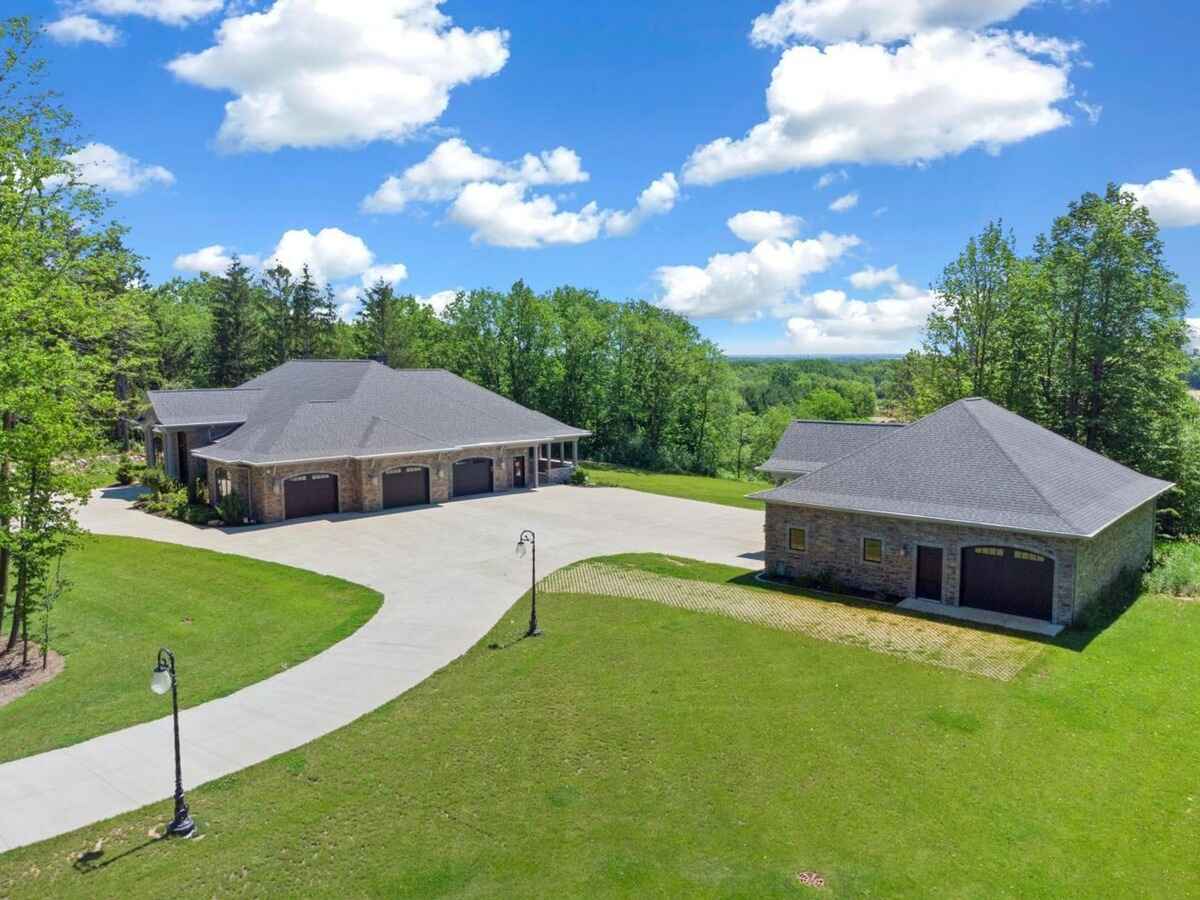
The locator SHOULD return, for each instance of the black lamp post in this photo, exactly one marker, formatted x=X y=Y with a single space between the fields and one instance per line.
x=161 y=681
x=528 y=537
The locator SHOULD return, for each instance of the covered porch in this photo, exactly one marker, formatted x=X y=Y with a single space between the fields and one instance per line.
x=556 y=461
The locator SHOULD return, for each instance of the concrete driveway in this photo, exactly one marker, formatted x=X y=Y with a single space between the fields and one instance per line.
x=447 y=574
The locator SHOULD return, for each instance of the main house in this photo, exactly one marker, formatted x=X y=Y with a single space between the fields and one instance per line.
x=314 y=437
x=970 y=506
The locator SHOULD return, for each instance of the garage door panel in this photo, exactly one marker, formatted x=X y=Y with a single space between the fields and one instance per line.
x=472 y=476
x=406 y=487
x=1008 y=580
x=310 y=495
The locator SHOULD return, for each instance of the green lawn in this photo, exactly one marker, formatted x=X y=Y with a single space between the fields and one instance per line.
x=726 y=491
x=642 y=750
x=231 y=621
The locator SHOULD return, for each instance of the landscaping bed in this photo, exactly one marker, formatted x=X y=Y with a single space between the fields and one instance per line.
x=638 y=749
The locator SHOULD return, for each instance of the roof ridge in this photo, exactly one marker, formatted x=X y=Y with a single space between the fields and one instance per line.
x=841 y=422
x=1004 y=452
x=199 y=390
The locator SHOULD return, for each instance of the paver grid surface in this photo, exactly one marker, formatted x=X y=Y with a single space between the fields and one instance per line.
x=949 y=646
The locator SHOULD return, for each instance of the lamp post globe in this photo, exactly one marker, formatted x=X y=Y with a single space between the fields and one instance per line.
x=162 y=680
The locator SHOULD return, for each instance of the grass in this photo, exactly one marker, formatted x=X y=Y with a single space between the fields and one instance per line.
x=1177 y=570
x=726 y=491
x=642 y=750
x=230 y=620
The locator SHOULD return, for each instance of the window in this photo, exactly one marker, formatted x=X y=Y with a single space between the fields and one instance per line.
x=1025 y=554
x=224 y=486
x=872 y=550
x=797 y=539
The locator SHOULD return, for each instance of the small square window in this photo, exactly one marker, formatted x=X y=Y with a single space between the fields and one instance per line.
x=872 y=550
x=797 y=539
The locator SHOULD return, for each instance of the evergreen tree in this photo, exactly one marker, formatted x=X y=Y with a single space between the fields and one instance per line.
x=235 y=328
x=278 y=291
x=313 y=315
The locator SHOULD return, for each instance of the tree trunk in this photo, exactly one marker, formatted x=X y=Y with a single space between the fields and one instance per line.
x=122 y=402
x=18 y=608
x=9 y=421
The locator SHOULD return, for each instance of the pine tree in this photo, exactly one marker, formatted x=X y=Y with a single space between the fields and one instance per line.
x=235 y=338
x=278 y=289
x=314 y=314
x=376 y=322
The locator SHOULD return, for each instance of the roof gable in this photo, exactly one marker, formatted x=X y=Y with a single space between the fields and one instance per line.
x=809 y=445
x=222 y=406
x=973 y=462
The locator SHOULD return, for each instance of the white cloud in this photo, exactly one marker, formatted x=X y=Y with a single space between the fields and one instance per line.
x=1093 y=111
x=169 y=12
x=392 y=274
x=496 y=200
x=213 y=260
x=656 y=200
x=878 y=21
x=831 y=178
x=317 y=73
x=439 y=300
x=76 y=29
x=942 y=94
x=453 y=164
x=845 y=202
x=330 y=254
x=1174 y=201
x=741 y=285
x=871 y=278
x=107 y=168
x=831 y=322
x=1194 y=327
x=756 y=225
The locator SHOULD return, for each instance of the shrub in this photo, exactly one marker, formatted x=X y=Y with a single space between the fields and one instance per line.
x=128 y=471
x=232 y=509
x=579 y=476
x=1176 y=570
x=158 y=481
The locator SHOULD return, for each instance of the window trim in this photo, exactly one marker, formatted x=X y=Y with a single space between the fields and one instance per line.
x=879 y=541
x=792 y=529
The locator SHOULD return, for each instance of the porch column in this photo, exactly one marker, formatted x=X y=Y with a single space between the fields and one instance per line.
x=536 y=474
x=575 y=452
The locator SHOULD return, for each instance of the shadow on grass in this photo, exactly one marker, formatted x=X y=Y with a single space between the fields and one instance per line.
x=93 y=860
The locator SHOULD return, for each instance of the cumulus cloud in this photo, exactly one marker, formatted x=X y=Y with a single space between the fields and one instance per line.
x=169 y=12
x=211 y=260
x=314 y=73
x=832 y=322
x=106 y=168
x=831 y=178
x=880 y=21
x=453 y=164
x=756 y=225
x=497 y=202
x=391 y=274
x=438 y=301
x=330 y=254
x=870 y=278
x=742 y=285
x=943 y=93
x=1174 y=201
x=78 y=29
x=845 y=202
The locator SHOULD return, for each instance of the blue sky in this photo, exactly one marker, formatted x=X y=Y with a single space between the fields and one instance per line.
x=934 y=122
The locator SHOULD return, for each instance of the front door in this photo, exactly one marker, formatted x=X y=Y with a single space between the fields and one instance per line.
x=181 y=441
x=929 y=573
x=519 y=471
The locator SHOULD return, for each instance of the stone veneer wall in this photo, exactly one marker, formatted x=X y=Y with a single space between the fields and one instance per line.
x=834 y=540
x=360 y=481
x=1126 y=544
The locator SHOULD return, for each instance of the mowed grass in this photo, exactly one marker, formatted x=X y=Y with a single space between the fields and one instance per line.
x=231 y=621
x=726 y=491
x=641 y=750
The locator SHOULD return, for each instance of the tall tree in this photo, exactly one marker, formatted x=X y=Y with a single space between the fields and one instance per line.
x=235 y=328
x=313 y=316
x=278 y=290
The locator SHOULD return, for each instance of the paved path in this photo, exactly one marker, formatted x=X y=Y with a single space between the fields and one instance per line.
x=447 y=573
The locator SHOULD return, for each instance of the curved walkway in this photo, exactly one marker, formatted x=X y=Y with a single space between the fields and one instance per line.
x=447 y=574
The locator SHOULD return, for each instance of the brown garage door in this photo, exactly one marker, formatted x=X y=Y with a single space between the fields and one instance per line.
x=1008 y=580
x=472 y=476
x=406 y=487
x=310 y=495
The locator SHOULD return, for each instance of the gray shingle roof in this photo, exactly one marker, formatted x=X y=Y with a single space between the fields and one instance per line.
x=315 y=409
x=211 y=407
x=807 y=446
x=975 y=463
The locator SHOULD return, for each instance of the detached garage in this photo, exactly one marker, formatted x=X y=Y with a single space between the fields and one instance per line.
x=972 y=506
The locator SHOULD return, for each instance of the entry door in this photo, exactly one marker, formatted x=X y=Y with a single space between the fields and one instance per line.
x=181 y=441
x=519 y=471
x=929 y=573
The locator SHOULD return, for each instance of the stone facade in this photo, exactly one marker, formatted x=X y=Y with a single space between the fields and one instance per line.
x=360 y=481
x=834 y=552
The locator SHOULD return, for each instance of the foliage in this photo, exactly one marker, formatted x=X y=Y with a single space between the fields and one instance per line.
x=233 y=353
x=1085 y=337
x=125 y=597
x=233 y=509
x=726 y=491
x=642 y=750
x=127 y=472
x=158 y=481
x=580 y=477
x=1176 y=569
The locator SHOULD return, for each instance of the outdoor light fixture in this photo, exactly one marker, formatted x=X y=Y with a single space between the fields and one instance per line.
x=161 y=681
x=528 y=537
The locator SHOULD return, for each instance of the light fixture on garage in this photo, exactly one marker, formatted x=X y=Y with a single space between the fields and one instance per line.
x=528 y=538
